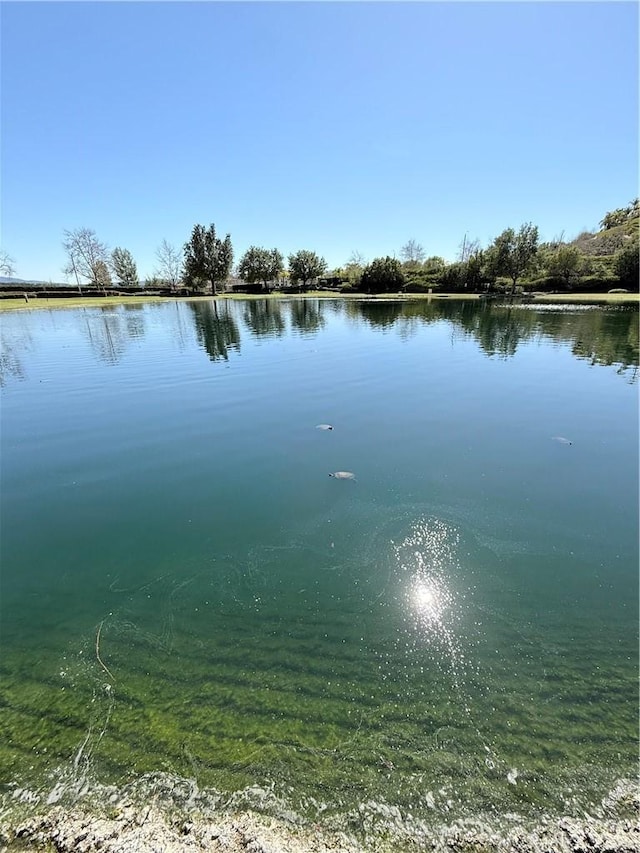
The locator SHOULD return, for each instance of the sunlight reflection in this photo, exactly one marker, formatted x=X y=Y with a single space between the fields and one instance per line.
x=428 y=599
x=426 y=561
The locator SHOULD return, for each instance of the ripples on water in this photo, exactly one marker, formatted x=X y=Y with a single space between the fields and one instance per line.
x=451 y=635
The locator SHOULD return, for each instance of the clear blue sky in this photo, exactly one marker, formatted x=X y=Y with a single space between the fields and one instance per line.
x=331 y=126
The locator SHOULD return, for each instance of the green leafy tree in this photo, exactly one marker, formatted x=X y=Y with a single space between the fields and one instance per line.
x=124 y=267
x=103 y=275
x=207 y=258
x=627 y=265
x=452 y=276
x=474 y=272
x=305 y=266
x=512 y=254
x=383 y=275
x=260 y=265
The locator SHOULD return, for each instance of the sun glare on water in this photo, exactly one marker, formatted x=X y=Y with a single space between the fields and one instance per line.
x=426 y=600
x=425 y=560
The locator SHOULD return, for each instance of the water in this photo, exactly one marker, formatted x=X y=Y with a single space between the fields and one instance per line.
x=186 y=591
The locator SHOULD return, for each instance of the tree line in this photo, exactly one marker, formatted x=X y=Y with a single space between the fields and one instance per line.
x=512 y=259
x=515 y=259
x=204 y=263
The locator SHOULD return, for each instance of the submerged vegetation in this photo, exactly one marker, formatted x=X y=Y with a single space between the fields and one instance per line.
x=384 y=658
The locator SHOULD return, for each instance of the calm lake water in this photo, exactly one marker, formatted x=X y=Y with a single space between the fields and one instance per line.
x=185 y=590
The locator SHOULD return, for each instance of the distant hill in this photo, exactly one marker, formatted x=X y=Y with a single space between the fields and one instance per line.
x=607 y=242
x=7 y=279
x=10 y=281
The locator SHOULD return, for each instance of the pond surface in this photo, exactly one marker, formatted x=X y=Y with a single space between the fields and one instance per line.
x=185 y=590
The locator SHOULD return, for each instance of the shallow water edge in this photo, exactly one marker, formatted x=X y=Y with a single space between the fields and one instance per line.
x=164 y=812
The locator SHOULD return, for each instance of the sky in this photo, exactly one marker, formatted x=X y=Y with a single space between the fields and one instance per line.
x=338 y=127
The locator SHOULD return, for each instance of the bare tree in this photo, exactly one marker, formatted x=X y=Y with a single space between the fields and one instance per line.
x=88 y=256
x=169 y=264
x=354 y=268
x=412 y=253
x=356 y=259
x=467 y=249
x=6 y=264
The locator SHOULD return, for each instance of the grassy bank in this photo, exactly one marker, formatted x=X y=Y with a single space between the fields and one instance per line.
x=36 y=302
x=40 y=302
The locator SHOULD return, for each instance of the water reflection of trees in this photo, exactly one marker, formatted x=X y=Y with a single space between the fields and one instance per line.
x=216 y=329
x=110 y=331
x=377 y=313
x=10 y=361
x=306 y=315
x=497 y=330
x=264 y=317
x=606 y=336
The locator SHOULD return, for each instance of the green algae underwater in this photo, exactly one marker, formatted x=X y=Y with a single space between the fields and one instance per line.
x=186 y=592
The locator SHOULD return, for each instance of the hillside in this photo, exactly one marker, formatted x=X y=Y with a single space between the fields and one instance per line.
x=609 y=240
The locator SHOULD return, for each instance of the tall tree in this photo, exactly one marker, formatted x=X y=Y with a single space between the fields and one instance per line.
x=6 y=264
x=513 y=254
x=169 y=264
x=474 y=269
x=124 y=267
x=467 y=248
x=412 y=253
x=260 y=265
x=207 y=258
x=305 y=266
x=383 y=275
x=87 y=256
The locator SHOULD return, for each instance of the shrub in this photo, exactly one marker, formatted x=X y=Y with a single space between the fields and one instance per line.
x=383 y=275
x=627 y=265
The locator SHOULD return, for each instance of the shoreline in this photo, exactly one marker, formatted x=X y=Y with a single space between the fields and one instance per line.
x=41 y=303
x=151 y=829
x=173 y=816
